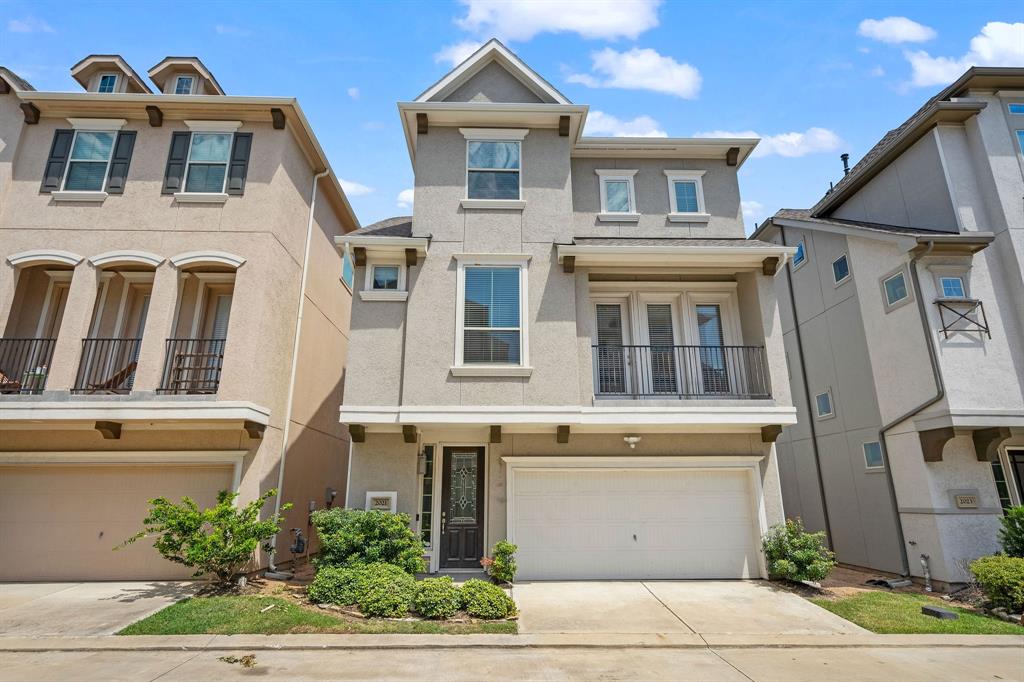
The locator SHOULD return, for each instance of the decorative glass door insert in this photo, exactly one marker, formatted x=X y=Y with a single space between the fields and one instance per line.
x=463 y=503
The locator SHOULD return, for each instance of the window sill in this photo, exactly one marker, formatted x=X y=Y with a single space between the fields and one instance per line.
x=68 y=195
x=491 y=371
x=501 y=204
x=689 y=217
x=383 y=295
x=618 y=217
x=200 y=197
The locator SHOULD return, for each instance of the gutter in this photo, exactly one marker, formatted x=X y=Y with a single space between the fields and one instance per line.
x=295 y=360
x=940 y=393
x=807 y=396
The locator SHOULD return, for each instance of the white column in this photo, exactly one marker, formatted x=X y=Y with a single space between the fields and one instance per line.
x=73 y=328
x=163 y=303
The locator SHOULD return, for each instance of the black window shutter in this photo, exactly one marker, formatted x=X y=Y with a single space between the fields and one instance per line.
x=238 y=167
x=57 y=161
x=174 y=176
x=120 y=161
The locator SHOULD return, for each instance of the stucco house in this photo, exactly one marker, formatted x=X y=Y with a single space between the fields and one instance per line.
x=903 y=312
x=172 y=320
x=569 y=344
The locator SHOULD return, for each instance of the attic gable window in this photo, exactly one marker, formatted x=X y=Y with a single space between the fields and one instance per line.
x=183 y=85
x=493 y=166
x=108 y=83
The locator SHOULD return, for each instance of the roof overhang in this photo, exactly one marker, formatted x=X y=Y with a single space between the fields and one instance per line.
x=164 y=414
x=85 y=69
x=666 y=147
x=738 y=257
x=987 y=78
x=963 y=244
x=384 y=244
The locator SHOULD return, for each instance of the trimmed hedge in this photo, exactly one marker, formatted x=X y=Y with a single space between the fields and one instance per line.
x=336 y=585
x=354 y=536
x=1001 y=578
x=794 y=554
x=486 y=600
x=385 y=590
x=436 y=598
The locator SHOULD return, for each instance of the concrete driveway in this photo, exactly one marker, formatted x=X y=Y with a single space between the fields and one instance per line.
x=687 y=607
x=49 y=609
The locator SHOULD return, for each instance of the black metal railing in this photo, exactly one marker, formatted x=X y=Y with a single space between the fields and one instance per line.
x=24 y=364
x=107 y=366
x=192 y=366
x=962 y=315
x=681 y=372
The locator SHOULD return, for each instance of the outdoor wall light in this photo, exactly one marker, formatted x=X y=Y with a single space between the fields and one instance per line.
x=631 y=441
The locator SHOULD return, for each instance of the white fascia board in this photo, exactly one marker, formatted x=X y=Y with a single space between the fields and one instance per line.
x=392 y=244
x=904 y=241
x=703 y=256
x=666 y=147
x=630 y=462
x=116 y=410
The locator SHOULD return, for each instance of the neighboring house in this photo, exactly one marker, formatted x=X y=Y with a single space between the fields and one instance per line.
x=154 y=249
x=906 y=351
x=570 y=344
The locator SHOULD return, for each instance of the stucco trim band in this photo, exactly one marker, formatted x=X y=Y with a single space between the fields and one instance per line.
x=110 y=410
x=44 y=257
x=136 y=257
x=207 y=258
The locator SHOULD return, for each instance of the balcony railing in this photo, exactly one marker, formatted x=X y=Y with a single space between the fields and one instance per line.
x=107 y=366
x=192 y=366
x=653 y=372
x=24 y=364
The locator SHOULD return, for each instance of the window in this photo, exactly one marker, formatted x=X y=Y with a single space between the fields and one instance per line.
x=108 y=83
x=873 y=455
x=183 y=85
x=841 y=269
x=618 y=197
x=952 y=287
x=89 y=160
x=823 y=403
x=207 y=166
x=427 y=495
x=895 y=289
x=491 y=316
x=348 y=272
x=1017 y=108
x=800 y=256
x=685 y=193
x=1020 y=139
x=1002 y=489
x=385 y=277
x=492 y=169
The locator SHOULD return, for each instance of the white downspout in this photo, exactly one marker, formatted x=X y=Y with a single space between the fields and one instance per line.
x=295 y=360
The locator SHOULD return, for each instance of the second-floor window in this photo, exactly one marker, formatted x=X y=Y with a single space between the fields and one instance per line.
x=800 y=257
x=385 y=277
x=618 y=195
x=895 y=289
x=685 y=192
x=492 y=169
x=492 y=330
x=108 y=83
x=208 y=162
x=183 y=85
x=207 y=166
x=89 y=160
x=952 y=287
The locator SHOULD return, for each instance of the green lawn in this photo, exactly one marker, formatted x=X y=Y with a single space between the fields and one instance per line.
x=891 y=613
x=241 y=615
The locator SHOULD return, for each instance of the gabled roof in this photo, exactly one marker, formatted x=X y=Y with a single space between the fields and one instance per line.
x=83 y=71
x=13 y=81
x=158 y=73
x=399 y=226
x=492 y=51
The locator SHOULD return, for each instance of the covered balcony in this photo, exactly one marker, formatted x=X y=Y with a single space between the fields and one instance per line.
x=194 y=355
x=30 y=335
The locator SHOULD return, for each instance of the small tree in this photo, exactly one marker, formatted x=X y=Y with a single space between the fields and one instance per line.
x=220 y=540
x=354 y=536
x=794 y=554
x=1011 y=535
x=502 y=567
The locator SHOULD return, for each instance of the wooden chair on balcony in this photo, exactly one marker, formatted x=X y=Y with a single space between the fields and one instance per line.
x=8 y=385
x=115 y=382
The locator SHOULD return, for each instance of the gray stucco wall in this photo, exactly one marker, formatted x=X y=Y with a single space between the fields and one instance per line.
x=494 y=83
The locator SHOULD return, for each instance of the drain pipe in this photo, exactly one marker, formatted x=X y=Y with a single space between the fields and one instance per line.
x=807 y=395
x=940 y=393
x=927 y=573
x=295 y=361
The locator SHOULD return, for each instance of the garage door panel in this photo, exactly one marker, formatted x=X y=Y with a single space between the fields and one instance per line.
x=632 y=524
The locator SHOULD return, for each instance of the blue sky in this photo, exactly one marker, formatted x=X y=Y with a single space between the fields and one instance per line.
x=814 y=79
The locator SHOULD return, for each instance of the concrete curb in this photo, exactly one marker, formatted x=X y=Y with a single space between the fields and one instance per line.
x=579 y=641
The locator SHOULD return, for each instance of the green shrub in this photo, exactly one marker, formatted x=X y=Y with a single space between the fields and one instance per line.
x=336 y=585
x=794 y=554
x=486 y=600
x=353 y=536
x=436 y=598
x=220 y=540
x=1011 y=535
x=385 y=590
x=1001 y=578
x=502 y=566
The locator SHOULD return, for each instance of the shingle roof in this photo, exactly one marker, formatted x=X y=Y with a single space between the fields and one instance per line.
x=398 y=226
x=804 y=214
x=14 y=80
x=669 y=241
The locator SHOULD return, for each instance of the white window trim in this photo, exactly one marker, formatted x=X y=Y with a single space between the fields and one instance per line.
x=97 y=125
x=849 y=272
x=797 y=266
x=213 y=126
x=520 y=260
x=191 y=87
x=889 y=307
x=90 y=194
x=942 y=288
x=677 y=216
x=864 y=451
x=220 y=197
x=368 y=293
x=831 y=405
x=516 y=135
x=606 y=175
x=99 y=82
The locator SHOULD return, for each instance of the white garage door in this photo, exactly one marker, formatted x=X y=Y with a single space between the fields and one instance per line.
x=634 y=524
x=61 y=522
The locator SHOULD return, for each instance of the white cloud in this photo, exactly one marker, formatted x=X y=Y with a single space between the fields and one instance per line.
x=998 y=44
x=640 y=69
x=877 y=72
x=355 y=189
x=523 y=19
x=895 y=30
x=606 y=125
x=457 y=53
x=353 y=93
x=405 y=198
x=373 y=125
x=29 y=25
x=228 y=30
x=790 y=145
x=753 y=211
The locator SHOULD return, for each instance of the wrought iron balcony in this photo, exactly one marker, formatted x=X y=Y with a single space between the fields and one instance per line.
x=683 y=372
x=24 y=364
x=107 y=366
x=192 y=366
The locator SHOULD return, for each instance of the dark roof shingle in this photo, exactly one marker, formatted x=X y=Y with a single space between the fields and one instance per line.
x=398 y=226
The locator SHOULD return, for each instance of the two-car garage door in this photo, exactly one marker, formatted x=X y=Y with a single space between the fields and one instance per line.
x=634 y=523
x=61 y=522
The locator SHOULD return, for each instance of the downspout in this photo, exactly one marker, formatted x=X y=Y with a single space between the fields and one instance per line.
x=807 y=394
x=295 y=359
x=940 y=393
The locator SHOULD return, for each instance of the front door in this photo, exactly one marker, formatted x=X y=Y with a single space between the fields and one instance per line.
x=462 y=508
